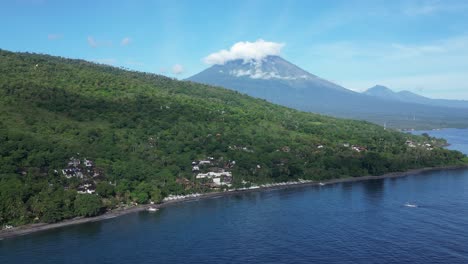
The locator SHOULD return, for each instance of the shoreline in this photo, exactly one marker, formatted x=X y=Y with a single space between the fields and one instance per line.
x=33 y=228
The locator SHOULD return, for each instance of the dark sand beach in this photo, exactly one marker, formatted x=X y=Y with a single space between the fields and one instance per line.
x=32 y=228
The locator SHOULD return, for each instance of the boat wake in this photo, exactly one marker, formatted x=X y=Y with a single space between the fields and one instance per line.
x=411 y=205
x=152 y=209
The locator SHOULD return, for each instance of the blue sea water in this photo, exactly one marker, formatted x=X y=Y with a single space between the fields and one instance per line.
x=361 y=222
x=458 y=138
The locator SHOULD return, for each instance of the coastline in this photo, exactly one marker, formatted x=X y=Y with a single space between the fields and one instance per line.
x=33 y=228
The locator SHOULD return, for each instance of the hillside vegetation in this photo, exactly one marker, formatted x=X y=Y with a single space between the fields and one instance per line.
x=143 y=131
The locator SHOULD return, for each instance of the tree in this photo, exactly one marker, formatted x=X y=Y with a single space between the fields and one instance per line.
x=87 y=205
x=140 y=197
x=105 y=189
x=156 y=195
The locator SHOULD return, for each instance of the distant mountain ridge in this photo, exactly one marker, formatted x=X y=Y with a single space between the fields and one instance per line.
x=410 y=97
x=279 y=81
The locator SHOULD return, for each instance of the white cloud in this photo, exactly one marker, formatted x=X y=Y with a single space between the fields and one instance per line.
x=125 y=41
x=246 y=51
x=92 y=42
x=54 y=36
x=177 y=69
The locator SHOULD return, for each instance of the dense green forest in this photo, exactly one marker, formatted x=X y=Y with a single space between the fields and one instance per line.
x=143 y=131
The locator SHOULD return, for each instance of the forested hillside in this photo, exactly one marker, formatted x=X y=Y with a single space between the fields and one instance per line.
x=142 y=133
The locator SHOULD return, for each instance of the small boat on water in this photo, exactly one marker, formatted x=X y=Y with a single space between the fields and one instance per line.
x=408 y=204
x=152 y=209
x=321 y=183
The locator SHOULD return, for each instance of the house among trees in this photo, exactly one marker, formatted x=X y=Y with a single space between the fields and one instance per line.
x=242 y=148
x=70 y=172
x=218 y=178
x=359 y=148
x=87 y=188
x=79 y=170
x=212 y=172
x=88 y=163
x=410 y=144
x=74 y=162
x=229 y=164
x=204 y=162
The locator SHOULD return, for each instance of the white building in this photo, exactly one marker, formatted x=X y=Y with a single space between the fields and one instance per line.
x=217 y=181
x=88 y=163
x=214 y=174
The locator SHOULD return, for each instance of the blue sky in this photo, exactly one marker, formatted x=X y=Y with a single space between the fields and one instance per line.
x=419 y=45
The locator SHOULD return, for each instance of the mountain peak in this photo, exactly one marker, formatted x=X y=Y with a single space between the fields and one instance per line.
x=381 y=91
x=270 y=77
x=267 y=68
x=379 y=88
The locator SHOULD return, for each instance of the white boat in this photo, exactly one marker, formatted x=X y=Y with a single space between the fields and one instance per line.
x=152 y=209
x=321 y=183
x=407 y=204
x=8 y=227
